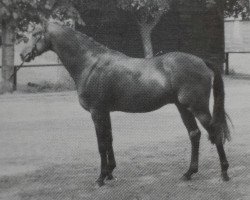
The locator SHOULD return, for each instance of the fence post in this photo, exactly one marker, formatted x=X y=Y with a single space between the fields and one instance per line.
x=227 y=64
x=15 y=79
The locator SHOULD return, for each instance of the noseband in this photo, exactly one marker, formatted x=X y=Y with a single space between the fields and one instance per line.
x=34 y=51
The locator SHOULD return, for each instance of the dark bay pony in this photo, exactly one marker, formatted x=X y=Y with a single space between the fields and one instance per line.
x=107 y=80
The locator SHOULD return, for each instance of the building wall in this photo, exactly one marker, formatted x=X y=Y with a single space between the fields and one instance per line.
x=192 y=29
x=237 y=37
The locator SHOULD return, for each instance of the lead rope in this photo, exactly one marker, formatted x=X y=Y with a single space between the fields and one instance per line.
x=18 y=67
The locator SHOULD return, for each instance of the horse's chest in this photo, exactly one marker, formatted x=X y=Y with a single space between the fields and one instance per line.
x=87 y=99
x=84 y=102
x=90 y=95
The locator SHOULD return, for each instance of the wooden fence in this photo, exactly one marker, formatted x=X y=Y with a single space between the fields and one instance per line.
x=227 y=66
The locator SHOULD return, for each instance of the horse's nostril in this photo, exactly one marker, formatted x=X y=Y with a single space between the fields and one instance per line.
x=21 y=55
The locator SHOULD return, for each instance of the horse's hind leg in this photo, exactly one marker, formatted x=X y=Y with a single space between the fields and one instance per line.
x=205 y=118
x=102 y=123
x=111 y=157
x=194 y=135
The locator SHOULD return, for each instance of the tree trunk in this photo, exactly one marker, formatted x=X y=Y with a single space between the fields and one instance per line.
x=146 y=26
x=146 y=41
x=7 y=56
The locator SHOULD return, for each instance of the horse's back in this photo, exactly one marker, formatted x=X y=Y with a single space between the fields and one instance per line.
x=139 y=85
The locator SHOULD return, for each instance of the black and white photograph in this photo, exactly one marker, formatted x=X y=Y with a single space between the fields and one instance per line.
x=124 y=99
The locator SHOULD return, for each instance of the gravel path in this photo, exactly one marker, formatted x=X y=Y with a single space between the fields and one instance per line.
x=48 y=150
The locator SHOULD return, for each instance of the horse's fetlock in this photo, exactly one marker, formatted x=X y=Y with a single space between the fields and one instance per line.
x=225 y=176
x=112 y=166
x=193 y=168
x=104 y=173
x=224 y=166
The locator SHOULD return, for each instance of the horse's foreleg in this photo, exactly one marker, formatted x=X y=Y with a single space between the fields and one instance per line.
x=111 y=159
x=110 y=152
x=102 y=123
x=194 y=135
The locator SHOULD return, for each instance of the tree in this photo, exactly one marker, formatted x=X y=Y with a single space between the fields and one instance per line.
x=147 y=14
x=15 y=16
x=236 y=8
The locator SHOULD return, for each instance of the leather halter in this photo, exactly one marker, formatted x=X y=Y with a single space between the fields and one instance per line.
x=32 y=54
x=34 y=51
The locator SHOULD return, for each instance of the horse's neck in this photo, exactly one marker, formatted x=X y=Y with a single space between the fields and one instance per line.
x=74 y=56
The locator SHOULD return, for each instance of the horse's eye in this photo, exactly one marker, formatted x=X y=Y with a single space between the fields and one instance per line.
x=36 y=34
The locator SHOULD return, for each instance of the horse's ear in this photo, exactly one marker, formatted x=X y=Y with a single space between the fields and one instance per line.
x=44 y=22
x=45 y=25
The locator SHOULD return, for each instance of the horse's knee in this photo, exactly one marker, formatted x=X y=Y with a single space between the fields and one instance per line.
x=196 y=134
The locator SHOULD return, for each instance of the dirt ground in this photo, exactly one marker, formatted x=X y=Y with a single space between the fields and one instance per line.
x=48 y=151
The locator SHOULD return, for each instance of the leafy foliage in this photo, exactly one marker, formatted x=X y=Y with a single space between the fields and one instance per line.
x=236 y=8
x=23 y=12
x=145 y=10
x=151 y=5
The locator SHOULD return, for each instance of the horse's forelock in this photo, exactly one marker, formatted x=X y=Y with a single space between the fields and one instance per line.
x=55 y=28
x=38 y=29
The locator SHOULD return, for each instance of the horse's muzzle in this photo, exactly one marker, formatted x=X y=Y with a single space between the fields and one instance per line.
x=26 y=57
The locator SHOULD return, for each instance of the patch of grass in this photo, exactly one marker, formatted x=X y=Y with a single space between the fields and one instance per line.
x=45 y=86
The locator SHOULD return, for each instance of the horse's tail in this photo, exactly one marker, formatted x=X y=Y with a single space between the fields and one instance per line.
x=219 y=121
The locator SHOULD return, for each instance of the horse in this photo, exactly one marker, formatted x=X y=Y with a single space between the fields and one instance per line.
x=107 y=80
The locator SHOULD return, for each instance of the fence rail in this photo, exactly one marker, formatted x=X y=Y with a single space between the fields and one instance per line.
x=44 y=65
x=58 y=65
x=26 y=66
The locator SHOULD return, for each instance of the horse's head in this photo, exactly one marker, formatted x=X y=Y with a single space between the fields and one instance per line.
x=37 y=44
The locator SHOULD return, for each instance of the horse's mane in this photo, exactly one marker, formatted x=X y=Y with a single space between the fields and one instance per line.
x=93 y=45
x=89 y=42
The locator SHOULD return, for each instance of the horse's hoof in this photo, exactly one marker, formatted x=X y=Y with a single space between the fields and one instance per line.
x=99 y=183
x=111 y=178
x=186 y=177
x=225 y=177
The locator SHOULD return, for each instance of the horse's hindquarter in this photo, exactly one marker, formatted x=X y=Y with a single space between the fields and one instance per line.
x=190 y=77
